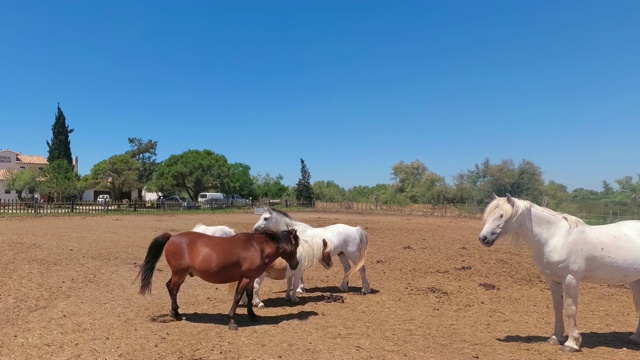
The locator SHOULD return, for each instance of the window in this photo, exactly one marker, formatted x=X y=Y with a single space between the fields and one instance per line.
x=7 y=191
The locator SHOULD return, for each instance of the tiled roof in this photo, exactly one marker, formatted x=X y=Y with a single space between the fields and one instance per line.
x=31 y=159
x=5 y=174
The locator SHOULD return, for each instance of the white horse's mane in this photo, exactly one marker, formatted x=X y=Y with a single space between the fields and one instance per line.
x=310 y=251
x=524 y=207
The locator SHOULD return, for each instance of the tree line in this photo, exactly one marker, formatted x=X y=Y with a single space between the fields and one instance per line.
x=196 y=171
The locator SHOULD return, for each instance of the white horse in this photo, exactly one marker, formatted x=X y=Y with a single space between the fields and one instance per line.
x=308 y=255
x=221 y=230
x=348 y=242
x=567 y=251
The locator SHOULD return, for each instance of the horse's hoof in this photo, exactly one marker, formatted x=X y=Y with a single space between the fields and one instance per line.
x=260 y=306
x=365 y=291
x=233 y=326
x=553 y=341
x=566 y=348
x=344 y=288
x=176 y=315
x=300 y=291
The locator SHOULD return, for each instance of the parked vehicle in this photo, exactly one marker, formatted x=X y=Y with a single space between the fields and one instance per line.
x=210 y=197
x=103 y=198
x=237 y=200
x=178 y=202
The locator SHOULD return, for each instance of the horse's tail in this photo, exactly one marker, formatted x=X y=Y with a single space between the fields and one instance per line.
x=150 y=261
x=362 y=252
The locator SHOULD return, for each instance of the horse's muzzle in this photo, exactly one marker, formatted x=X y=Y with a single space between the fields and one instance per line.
x=486 y=241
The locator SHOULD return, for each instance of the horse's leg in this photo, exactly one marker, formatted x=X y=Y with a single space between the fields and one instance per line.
x=366 y=288
x=635 y=288
x=556 y=297
x=173 y=286
x=256 y=291
x=249 y=294
x=301 y=288
x=240 y=289
x=288 y=291
x=294 y=284
x=344 y=260
x=571 y=289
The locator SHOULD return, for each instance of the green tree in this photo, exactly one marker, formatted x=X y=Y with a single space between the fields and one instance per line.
x=24 y=181
x=523 y=181
x=268 y=187
x=60 y=181
x=241 y=181
x=60 y=145
x=193 y=172
x=304 y=190
x=416 y=182
x=119 y=174
x=329 y=191
x=144 y=152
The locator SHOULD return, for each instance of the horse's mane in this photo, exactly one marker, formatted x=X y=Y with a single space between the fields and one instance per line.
x=282 y=238
x=523 y=206
x=281 y=213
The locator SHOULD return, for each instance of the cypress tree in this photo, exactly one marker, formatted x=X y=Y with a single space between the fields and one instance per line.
x=304 y=191
x=60 y=145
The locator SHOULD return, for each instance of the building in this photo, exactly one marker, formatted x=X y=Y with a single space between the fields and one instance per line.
x=11 y=162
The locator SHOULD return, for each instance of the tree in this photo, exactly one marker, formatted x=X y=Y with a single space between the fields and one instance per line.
x=24 y=181
x=304 y=190
x=268 y=187
x=145 y=154
x=60 y=181
x=329 y=191
x=416 y=182
x=241 y=181
x=60 y=145
x=119 y=174
x=193 y=171
x=524 y=181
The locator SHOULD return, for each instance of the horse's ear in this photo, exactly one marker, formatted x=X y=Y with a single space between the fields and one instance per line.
x=495 y=196
x=324 y=244
x=510 y=200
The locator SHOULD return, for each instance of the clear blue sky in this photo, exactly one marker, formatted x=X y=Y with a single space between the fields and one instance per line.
x=352 y=87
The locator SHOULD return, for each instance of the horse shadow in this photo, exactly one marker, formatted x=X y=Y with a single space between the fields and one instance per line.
x=590 y=340
x=241 y=319
x=282 y=302
x=336 y=290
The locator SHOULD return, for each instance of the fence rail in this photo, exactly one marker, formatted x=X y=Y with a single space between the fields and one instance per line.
x=595 y=217
x=15 y=206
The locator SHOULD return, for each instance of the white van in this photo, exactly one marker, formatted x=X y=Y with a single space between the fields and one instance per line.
x=210 y=197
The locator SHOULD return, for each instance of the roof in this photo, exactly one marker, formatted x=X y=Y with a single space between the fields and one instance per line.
x=31 y=159
x=5 y=174
x=28 y=159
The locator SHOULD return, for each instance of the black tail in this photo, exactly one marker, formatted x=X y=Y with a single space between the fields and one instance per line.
x=150 y=261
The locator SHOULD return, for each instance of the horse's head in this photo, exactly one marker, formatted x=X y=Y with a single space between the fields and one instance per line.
x=265 y=221
x=290 y=255
x=325 y=258
x=497 y=218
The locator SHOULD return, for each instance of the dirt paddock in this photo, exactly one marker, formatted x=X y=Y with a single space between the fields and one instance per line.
x=67 y=291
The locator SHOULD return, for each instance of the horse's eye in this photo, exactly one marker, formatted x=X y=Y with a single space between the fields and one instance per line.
x=501 y=216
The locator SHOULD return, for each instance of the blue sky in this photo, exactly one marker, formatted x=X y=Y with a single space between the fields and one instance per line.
x=352 y=87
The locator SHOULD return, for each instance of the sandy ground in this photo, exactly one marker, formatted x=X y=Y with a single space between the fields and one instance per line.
x=68 y=292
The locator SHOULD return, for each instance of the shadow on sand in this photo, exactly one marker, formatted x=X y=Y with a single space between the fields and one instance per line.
x=241 y=319
x=353 y=290
x=590 y=340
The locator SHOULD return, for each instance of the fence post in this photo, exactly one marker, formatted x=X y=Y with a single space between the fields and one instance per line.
x=135 y=204
x=73 y=204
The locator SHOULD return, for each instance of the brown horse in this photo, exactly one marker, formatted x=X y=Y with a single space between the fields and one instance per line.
x=218 y=260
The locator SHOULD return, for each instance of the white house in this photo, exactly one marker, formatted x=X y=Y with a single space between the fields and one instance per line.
x=11 y=162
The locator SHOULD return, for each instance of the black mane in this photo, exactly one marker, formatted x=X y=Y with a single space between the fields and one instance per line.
x=282 y=238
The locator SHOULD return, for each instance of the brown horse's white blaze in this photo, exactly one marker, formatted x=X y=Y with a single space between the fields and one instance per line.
x=218 y=260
